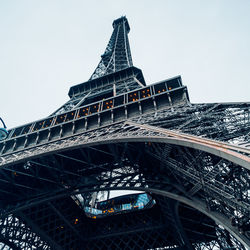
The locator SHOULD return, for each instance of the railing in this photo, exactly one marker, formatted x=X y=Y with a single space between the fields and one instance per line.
x=122 y=100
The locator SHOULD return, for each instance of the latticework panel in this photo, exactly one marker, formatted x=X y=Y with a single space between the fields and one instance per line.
x=116 y=133
x=117 y=55
x=17 y=235
x=216 y=185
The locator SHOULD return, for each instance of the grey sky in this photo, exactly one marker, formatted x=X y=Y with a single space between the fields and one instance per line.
x=47 y=46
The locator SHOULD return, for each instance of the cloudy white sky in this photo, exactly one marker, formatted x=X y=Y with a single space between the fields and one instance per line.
x=47 y=46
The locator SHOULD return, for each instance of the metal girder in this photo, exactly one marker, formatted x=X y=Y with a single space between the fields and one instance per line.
x=125 y=186
x=116 y=133
x=136 y=132
x=196 y=180
x=18 y=234
x=6 y=244
x=117 y=55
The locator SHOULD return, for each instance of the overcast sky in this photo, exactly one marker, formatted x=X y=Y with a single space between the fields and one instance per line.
x=47 y=46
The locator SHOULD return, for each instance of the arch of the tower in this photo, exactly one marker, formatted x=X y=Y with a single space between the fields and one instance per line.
x=176 y=173
x=118 y=133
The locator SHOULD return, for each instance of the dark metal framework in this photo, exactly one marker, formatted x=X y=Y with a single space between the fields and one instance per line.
x=116 y=133
x=117 y=55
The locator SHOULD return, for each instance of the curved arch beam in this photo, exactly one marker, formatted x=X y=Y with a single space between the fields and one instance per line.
x=217 y=148
x=225 y=150
x=230 y=155
x=201 y=206
x=140 y=133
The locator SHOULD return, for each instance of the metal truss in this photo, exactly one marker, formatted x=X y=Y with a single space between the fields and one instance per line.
x=218 y=185
x=116 y=58
x=116 y=133
x=220 y=121
x=16 y=235
x=117 y=55
x=123 y=131
x=115 y=86
x=102 y=112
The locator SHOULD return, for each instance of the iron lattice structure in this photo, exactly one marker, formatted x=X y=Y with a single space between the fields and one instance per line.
x=117 y=133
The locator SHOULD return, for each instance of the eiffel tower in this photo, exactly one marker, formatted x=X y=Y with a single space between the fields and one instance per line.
x=189 y=163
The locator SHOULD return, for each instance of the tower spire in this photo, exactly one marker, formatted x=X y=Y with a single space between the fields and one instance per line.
x=117 y=55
